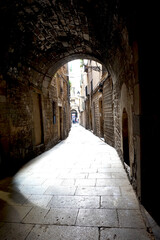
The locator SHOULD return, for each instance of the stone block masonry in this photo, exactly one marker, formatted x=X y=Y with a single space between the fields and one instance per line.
x=27 y=126
x=108 y=112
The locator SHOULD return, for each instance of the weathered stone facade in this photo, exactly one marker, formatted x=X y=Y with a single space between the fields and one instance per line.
x=108 y=106
x=105 y=107
x=38 y=37
x=91 y=96
x=99 y=102
x=29 y=124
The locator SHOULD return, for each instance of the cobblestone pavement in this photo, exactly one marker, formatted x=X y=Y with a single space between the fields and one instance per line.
x=78 y=190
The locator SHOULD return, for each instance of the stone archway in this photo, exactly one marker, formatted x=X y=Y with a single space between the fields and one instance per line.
x=74 y=115
x=53 y=67
x=38 y=37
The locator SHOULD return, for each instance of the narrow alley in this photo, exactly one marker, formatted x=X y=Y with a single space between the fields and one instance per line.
x=78 y=190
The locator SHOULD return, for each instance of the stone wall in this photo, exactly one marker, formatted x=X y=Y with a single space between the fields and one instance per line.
x=20 y=120
x=27 y=127
x=96 y=114
x=126 y=95
x=108 y=111
x=120 y=91
x=4 y=124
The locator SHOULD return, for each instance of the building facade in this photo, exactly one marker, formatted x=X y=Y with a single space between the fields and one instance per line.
x=37 y=114
x=91 y=98
x=98 y=113
x=74 y=78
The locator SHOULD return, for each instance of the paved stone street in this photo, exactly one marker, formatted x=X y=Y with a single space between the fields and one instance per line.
x=78 y=190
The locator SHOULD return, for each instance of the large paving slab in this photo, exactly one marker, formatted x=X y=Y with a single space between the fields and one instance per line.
x=75 y=202
x=97 y=217
x=14 y=231
x=56 y=216
x=78 y=190
x=63 y=233
x=123 y=234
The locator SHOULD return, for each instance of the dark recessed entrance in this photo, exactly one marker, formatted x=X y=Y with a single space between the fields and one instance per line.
x=125 y=137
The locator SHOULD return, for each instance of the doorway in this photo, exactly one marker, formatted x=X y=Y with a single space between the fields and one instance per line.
x=101 y=120
x=37 y=119
x=60 y=123
x=125 y=137
x=90 y=117
x=94 y=119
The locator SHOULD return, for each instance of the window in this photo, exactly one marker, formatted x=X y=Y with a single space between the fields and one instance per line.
x=54 y=112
